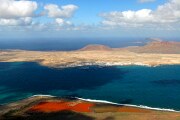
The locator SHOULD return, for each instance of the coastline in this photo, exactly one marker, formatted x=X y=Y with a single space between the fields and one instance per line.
x=59 y=59
x=84 y=58
x=100 y=101
x=113 y=103
x=44 y=106
x=152 y=54
x=130 y=105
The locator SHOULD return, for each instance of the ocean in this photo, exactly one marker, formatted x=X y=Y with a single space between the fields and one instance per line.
x=157 y=87
x=67 y=44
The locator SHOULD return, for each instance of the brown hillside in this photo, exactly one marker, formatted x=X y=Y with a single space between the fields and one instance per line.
x=163 y=47
x=96 y=47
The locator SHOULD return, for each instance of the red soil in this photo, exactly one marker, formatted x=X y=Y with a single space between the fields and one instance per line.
x=59 y=106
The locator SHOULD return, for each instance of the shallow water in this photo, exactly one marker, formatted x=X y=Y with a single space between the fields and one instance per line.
x=138 y=85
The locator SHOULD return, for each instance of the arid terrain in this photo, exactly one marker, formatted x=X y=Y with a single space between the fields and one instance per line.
x=53 y=108
x=47 y=108
x=153 y=54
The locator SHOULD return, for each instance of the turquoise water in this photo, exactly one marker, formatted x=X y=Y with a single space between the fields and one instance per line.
x=138 y=85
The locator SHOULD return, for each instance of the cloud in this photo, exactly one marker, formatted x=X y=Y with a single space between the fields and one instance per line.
x=13 y=12
x=15 y=9
x=21 y=15
x=60 y=13
x=61 y=22
x=127 y=17
x=166 y=14
x=16 y=22
x=146 y=1
x=55 y=11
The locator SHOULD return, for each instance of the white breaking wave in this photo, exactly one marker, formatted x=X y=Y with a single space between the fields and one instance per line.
x=39 y=95
x=140 y=106
x=113 y=103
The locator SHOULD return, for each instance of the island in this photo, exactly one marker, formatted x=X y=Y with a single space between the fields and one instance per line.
x=152 y=54
x=43 y=107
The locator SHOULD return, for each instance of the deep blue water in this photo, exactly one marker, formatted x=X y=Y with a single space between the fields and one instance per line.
x=68 y=44
x=139 y=85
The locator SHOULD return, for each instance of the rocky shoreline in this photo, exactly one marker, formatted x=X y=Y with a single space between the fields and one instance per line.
x=50 y=107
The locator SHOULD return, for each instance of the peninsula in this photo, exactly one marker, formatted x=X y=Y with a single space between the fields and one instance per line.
x=53 y=108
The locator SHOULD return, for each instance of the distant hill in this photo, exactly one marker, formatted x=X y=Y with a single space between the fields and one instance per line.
x=164 y=47
x=154 y=46
x=96 y=48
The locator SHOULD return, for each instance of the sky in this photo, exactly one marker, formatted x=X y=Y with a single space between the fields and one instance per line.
x=89 y=18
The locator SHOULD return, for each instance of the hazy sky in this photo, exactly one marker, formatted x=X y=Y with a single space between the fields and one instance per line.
x=89 y=18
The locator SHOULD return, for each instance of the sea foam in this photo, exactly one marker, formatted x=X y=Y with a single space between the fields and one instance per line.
x=113 y=103
x=129 y=105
